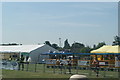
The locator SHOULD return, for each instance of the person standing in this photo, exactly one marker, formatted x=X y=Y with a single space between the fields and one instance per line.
x=69 y=65
x=61 y=65
x=21 y=62
x=96 y=65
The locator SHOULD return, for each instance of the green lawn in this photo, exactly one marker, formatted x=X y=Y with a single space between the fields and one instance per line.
x=53 y=73
x=24 y=74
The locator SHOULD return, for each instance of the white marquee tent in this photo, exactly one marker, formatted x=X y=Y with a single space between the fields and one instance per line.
x=34 y=51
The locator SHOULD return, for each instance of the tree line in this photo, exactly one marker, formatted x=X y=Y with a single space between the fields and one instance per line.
x=10 y=44
x=77 y=47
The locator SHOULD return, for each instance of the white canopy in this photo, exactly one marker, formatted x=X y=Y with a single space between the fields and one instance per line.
x=19 y=48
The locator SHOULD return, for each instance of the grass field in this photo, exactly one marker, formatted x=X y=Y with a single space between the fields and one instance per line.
x=24 y=74
x=11 y=74
x=42 y=72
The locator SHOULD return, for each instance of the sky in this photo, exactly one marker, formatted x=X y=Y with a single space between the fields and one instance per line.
x=0 y=22
x=36 y=22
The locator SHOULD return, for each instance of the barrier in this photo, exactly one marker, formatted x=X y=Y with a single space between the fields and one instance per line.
x=12 y=65
x=64 y=69
x=60 y=66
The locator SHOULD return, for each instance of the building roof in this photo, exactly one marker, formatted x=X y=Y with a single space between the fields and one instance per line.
x=20 y=48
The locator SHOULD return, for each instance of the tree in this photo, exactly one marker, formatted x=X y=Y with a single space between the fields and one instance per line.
x=85 y=49
x=10 y=44
x=55 y=46
x=66 y=47
x=76 y=47
x=48 y=43
x=66 y=44
x=116 y=40
x=98 y=45
x=94 y=46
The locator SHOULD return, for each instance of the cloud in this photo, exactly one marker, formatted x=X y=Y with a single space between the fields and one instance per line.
x=53 y=16
x=59 y=0
x=78 y=24
x=69 y=24
x=94 y=5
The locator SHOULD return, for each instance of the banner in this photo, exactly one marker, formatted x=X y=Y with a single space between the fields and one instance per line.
x=51 y=61
x=103 y=63
x=83 y=63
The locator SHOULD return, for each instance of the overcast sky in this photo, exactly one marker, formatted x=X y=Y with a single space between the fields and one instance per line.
x=36 y=22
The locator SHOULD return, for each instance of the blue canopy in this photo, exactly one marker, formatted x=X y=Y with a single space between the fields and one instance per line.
x=81 y=54
x=106 y=53
x=57 y=53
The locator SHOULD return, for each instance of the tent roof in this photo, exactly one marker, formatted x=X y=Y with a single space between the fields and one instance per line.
x=107 y=49
x=19 y=48
x=114 y=49
x=102 y=49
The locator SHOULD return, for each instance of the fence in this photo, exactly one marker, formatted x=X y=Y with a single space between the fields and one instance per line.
x=62 y=69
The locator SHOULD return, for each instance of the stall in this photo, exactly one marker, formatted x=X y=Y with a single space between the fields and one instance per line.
x=107 y=56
